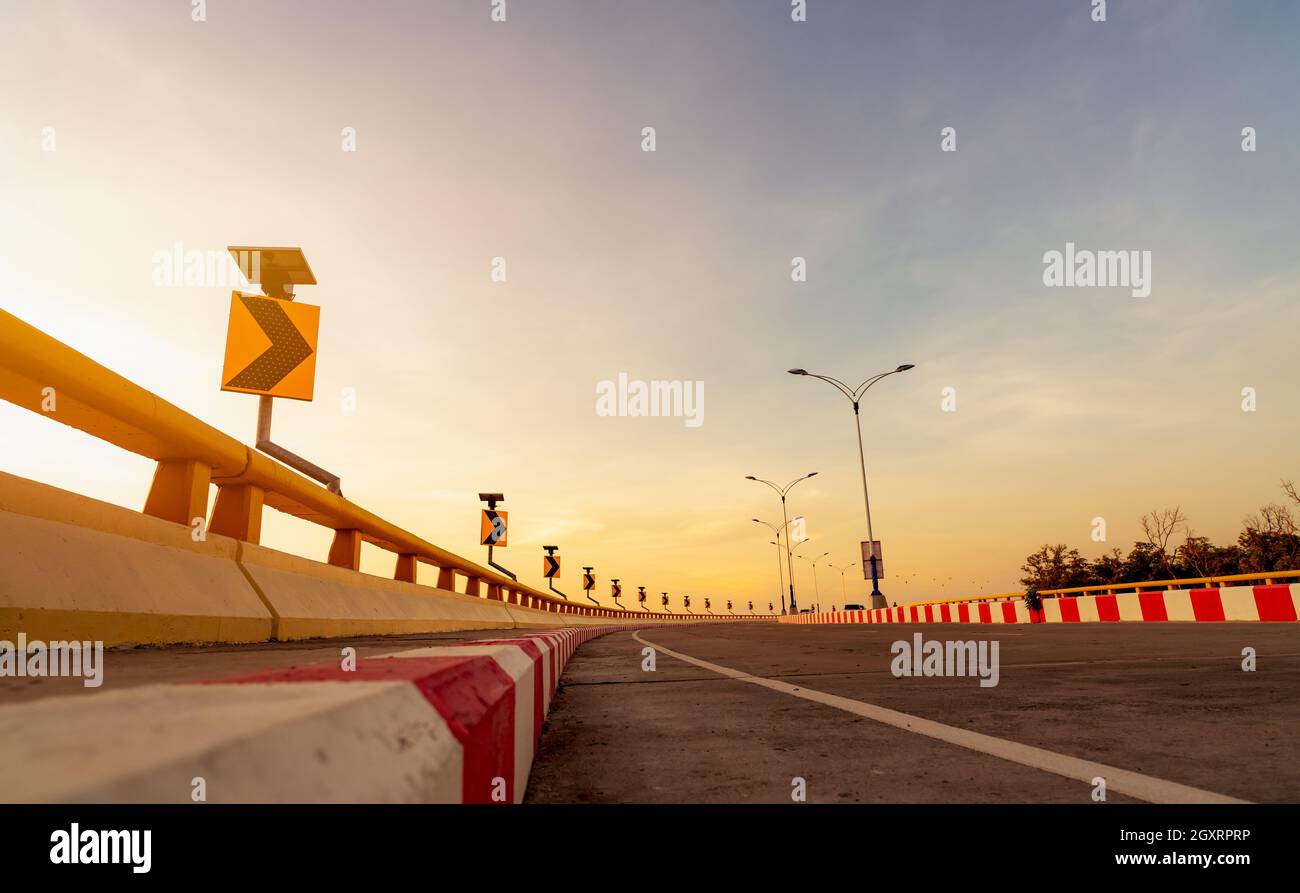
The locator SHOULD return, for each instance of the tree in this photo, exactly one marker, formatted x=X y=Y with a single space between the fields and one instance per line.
x=1270 y=540
x=1160 y=526
x=1198 y=557
x=1055 y=567
x=1109 y=568
x=1143 y=562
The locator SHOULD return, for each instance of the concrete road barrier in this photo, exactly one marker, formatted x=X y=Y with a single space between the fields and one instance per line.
x=77 y=568
x=451 y=724
x=1277 y=603
x=80 y=569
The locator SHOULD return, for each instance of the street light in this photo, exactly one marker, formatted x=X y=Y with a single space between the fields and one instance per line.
x=780 y=574
x=797 y=546
x=843 y=590
x=816 y=586
x=855 y=397
x=789 y=564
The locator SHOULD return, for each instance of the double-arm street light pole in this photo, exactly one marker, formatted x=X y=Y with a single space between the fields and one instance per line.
x=780 y=574
x=855 y=397
x=844 y=592
x=816 y=586
x=789 y=563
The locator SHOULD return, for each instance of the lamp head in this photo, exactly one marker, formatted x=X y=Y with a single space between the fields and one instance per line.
x=798 y=371
x=905 y=367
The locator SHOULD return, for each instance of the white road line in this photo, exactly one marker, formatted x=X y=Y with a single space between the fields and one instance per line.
x=1133 y=784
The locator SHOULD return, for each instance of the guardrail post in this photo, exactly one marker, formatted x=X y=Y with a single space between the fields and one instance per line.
x=345 y=551
x=471 y=586
x=405 y=570
x=179 y=491
x=237 y=512
x=447 y=579
x=494 y=592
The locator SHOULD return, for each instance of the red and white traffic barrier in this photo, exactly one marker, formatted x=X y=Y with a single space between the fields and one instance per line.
x=493 y=695
x=455 y=723
x=1270 y=604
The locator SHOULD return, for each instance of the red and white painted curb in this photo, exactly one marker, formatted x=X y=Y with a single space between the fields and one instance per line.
x=493 y=696
x=1270 y=604
x=457 y=723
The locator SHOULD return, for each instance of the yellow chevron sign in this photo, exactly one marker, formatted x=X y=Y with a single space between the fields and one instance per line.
x=492 y=528
x=271 y=347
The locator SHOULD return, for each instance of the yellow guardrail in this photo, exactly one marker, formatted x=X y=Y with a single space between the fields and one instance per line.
x=48 y=377
x=1145 y=586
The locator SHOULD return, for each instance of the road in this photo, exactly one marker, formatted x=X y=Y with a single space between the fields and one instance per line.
x=1165 y=708
x=127 y=667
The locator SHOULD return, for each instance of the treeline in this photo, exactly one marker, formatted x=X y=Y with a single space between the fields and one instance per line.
x=1269 y=541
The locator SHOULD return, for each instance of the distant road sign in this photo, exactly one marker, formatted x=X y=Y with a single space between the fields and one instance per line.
x=588 y=582
x=492 y=528
x=640 y=596
x=868 y=549
x=271 y=347
x=551 y=567
x=615 y=590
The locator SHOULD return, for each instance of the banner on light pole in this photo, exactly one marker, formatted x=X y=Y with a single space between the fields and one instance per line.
x=870 y=548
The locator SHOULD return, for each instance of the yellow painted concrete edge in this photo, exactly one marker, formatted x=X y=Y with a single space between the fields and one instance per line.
x=77 y=568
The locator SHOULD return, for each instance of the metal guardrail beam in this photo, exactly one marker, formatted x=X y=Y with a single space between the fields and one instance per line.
x=36 y=369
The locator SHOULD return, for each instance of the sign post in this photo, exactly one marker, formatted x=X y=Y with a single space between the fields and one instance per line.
x=271 y=345
x=551 y=569
x=492 y=528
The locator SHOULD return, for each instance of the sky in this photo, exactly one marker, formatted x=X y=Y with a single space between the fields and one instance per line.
x=129 y=128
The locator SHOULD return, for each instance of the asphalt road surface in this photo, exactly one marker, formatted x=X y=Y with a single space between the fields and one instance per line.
x=127 y=667
x=1163 y=712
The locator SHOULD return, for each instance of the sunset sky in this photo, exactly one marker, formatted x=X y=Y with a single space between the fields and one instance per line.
x=523 y=140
